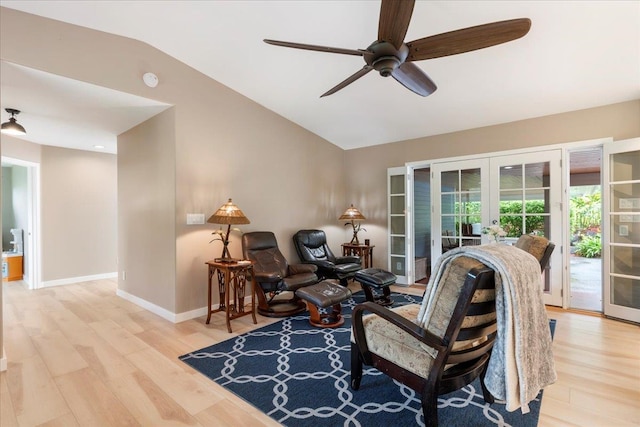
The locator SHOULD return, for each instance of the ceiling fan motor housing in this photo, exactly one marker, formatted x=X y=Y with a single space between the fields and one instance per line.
x=385 y=57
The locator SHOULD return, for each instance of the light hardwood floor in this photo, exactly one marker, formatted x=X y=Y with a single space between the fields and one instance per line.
x=78 y=355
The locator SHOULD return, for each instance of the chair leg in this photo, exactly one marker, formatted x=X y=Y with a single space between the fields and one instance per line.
x=356 y=367
x=488 y=397
x=386 y=297
x=430 y=409
x=367 y=292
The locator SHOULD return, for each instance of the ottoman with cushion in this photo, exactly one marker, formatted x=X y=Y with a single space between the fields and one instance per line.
x=322 y=295
x=378 y=279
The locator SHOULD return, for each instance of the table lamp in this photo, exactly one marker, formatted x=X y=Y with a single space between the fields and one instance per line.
x=352 y=214
x=228 y=214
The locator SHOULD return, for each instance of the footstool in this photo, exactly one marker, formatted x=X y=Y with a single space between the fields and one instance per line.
x=379 y=280
x=322 y=295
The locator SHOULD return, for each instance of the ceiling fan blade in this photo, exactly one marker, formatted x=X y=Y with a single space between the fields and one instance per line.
x=394 y=21
x=467 y=39
x=364 y=70
x=316 y=47
x=413 y=78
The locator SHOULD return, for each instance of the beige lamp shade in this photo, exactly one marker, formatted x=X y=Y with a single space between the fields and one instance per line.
x=228 y=213
x=352 y=213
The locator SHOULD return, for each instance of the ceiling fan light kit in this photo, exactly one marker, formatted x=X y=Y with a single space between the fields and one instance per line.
x=391 y=56
x=12 y=127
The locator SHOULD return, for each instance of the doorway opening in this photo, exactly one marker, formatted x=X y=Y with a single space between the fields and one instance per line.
x=585 y=228
x=25 y=214
x=422 y=224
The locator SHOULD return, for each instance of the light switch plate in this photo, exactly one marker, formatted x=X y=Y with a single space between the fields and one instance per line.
x=193 y=219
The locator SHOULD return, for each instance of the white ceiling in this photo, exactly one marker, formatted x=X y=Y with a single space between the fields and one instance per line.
x=578 y=54
x=67 y=113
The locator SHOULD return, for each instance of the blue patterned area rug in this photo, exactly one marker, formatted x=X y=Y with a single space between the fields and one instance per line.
x=299 y=375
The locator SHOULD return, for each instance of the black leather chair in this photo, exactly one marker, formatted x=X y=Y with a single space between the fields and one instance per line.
x=273 y=275
x=312 y=248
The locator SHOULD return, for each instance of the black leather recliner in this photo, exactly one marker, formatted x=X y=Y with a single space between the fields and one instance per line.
x=273 y=275
x=312 y=248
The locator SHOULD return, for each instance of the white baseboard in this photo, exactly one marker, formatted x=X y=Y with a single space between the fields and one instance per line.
x=188 y=315
x=3 y=361
x=160 y=311
x=79 y=279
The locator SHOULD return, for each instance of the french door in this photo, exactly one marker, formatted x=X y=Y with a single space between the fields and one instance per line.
x=526 y=198
x=460 y=195
x=621 y=254
x=400 y=242
x=521 y=193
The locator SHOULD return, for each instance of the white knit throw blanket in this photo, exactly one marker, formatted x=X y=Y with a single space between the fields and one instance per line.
x=521 y=362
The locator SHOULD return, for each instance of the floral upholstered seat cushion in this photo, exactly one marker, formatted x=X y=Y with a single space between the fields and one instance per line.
x=392 y=343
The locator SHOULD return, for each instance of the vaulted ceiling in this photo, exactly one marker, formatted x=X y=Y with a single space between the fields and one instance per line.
x=577 y=55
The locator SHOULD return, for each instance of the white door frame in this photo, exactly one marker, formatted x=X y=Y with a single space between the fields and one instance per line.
x=554 y=296
x=619 y=311
x=33 y=243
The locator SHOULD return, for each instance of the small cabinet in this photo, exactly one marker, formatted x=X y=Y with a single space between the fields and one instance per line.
x=11 y=268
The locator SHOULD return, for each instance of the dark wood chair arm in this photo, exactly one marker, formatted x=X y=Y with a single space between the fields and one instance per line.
x=405 y=324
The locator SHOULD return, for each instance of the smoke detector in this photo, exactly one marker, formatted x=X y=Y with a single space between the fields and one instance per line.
x=150 y=79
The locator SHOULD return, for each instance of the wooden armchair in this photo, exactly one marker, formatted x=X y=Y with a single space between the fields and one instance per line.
x=450 y=352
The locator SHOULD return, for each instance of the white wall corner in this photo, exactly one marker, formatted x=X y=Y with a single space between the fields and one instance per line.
x=163 y=312
x=155 y=309
x=160 y=311
x=188 y=315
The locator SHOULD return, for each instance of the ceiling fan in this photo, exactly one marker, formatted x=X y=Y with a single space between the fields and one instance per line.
x=391 y=56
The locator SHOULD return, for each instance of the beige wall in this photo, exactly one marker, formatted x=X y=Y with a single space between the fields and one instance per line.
x=146 y=210
x=366 y=175
x=283 y=177
x=78 y=213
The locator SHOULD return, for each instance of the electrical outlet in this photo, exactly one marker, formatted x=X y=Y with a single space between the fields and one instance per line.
x=124 y=275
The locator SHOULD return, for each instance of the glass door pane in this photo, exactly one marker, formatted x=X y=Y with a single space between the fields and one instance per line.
x=396 y=178
x=459 y=209
x=622 y=223
x=526 y=200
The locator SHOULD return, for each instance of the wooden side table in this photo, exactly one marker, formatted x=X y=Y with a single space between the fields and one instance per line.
x=365 y=252
x=232 y=276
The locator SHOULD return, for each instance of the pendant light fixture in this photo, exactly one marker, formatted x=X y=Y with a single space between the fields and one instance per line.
x=12 y=127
